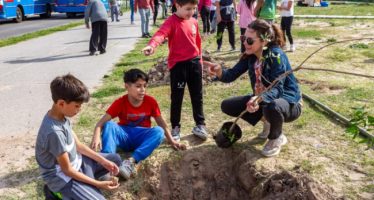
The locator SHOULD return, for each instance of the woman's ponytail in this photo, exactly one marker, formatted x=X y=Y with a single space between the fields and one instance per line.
x=278 y=36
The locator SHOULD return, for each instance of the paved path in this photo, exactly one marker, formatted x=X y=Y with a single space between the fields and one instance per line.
x=27 y=68
x=32 y=24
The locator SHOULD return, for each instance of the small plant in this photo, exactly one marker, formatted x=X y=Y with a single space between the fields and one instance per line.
x=361 y=118
x=331 y=40
x=228 y=135
x=359 y=46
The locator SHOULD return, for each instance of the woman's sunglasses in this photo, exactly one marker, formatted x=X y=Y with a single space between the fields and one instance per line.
x=249 y=40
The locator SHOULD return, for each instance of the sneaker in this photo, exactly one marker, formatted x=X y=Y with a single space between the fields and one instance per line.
x=273 y=147
x=265 y=131
x=292 y=48
x=200 y=132
x=218 y=49
x=176 y=134
x=127 y=169
x=148 y=35
x=93 y=53
x=144 y=36
x=102 y=51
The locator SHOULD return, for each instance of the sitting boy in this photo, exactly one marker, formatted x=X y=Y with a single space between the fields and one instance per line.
x=134 y=131
x=66 y=165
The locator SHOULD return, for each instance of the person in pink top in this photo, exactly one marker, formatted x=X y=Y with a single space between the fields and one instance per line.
x=204 y=9
x=246 y=10
x=184 y=63
x=144 y=7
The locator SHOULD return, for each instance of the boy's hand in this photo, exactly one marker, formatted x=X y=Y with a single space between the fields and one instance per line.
x=252 y=105
x=110 y=166
x=178 y=146
x=107 y=185
x=148 y=50
x=96 y=143
x=213 y=68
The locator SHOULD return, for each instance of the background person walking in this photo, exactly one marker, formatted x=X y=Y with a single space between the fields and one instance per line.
x=96 y=12
x=287 y=10
x=144 y=7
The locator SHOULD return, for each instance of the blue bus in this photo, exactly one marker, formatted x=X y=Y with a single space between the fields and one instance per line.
x=73 y=7
x=19 y=9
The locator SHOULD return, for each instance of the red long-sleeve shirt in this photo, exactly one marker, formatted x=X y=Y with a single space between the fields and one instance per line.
x=183 y=39
x=144 y=4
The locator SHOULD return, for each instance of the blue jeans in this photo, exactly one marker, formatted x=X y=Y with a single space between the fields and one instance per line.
x=144 y=17
x=132 y=10
x=142 y=141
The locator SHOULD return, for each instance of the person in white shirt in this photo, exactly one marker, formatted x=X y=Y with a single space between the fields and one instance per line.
x=287 y=11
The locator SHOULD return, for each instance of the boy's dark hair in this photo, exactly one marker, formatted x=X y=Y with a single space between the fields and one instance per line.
x=69 y=88
x=184 y=2
x=133 y=75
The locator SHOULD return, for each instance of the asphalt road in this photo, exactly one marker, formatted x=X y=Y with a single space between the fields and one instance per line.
x=27 y=68
x=31 y=24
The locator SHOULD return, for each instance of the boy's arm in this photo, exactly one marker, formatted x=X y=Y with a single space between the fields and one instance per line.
x=64 y=162
x=258 y=6
x=158 y=38
x=136 y=5
x=96 y=138
x=218 y=12
x=85 y=150
x=161 y=122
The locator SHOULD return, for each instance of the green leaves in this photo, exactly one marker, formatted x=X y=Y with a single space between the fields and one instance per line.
x=360 y=118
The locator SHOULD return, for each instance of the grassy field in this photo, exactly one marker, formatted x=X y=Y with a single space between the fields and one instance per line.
x=318 y=145
x=28 y=36
x=354 y=10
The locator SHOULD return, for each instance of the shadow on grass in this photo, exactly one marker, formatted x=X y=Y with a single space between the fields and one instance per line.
x=135 y=62
x=27 y=181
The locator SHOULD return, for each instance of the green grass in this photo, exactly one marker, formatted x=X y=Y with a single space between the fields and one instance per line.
x=36 y=34
x=355 y=10
x=306 y=33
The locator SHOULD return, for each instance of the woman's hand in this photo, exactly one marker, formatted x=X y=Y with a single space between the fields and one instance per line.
x=214 y=69
x=252 y=104
x=148 y=50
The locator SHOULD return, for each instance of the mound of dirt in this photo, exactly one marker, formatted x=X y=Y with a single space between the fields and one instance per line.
x=226 y=174
x=159 y=74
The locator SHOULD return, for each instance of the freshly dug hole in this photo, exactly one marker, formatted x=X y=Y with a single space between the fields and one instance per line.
x=226 y=174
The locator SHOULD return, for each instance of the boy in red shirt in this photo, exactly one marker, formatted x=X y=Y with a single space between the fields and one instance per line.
x=184 y=62
x=133 y=131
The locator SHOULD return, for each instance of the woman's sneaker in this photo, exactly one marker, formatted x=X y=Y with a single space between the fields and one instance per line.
x=127 y=169
x=273 y=147
x=176 y=134
x=200 y=132
x=265 y=131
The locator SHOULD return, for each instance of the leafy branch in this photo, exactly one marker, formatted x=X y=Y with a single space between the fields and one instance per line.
x=360 y=118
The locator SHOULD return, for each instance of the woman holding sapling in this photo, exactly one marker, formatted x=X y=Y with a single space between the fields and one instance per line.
x=265 y=62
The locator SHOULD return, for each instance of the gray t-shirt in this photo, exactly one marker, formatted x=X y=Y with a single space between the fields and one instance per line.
x=54 y=138
x=95 y=11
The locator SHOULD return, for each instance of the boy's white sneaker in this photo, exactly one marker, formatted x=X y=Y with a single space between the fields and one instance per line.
x=200 y=132
x=176 y=134
x=126 y=169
